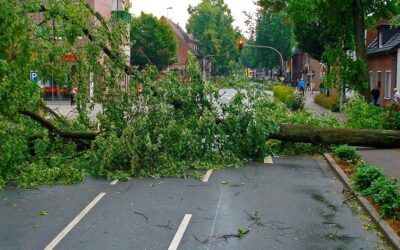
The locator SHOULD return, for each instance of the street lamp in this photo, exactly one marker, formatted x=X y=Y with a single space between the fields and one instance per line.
x=169 y=8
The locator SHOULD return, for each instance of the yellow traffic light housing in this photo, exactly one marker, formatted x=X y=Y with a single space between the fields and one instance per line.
x=241 y=43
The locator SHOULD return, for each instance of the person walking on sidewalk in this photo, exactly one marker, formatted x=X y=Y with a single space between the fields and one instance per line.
x=375 y=94
x=396 y=99
x=300 y=86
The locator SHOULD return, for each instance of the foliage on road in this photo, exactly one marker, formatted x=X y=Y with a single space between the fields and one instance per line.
x=154 y=42
x=211 y=22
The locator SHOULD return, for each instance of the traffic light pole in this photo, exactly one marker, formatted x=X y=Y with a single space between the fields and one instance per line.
x=268 y=47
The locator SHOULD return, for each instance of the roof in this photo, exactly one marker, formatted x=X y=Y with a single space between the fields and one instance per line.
x=388 y=47
x=182 y=34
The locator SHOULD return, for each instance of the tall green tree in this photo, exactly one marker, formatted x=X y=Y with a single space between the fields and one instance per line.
x=273 y=31
x=211 y=22
x=344 y=20
x=154 y=42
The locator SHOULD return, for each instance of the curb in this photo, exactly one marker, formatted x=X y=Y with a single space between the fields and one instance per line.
x=391 y=235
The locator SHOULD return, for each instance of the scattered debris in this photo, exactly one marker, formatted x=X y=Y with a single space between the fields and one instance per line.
x=42 y=212
x=224 y=182
x=168 y=226
x=144 y=216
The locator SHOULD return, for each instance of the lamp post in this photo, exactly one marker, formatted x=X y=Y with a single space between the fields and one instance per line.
x=169 y=8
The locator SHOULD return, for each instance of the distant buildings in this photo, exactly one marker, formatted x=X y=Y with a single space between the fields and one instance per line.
x=303 y=66
x=186 y=43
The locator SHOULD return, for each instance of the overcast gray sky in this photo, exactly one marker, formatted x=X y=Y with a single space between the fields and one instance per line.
x=179 y=12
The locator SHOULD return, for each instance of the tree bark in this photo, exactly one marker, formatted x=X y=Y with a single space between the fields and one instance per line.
x=56 y=131
x=335 y=136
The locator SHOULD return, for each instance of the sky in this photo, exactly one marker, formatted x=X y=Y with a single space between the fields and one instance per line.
x=179 y=12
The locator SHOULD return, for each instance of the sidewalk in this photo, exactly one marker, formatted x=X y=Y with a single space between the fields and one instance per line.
x=312 y=106
x=387 y=159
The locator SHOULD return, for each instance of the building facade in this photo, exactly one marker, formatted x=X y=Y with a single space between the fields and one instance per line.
x=186 y=44
x=303 y=66
x=384 y=61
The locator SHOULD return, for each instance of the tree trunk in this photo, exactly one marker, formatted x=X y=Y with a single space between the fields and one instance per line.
x=289 y=133
x=361 y=49
x=332 y=136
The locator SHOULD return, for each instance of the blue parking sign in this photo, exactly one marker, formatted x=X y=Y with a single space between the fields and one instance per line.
x=33 y=75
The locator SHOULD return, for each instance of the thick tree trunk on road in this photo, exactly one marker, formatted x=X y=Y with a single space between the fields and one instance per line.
x=289 y=133
x=328 y=136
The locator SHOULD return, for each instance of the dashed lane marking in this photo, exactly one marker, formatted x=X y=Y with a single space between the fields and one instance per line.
x=268 y=160
x=179 y=234
x=207 y=176
x=73 y=223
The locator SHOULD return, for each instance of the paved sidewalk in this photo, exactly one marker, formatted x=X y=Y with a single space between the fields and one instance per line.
x=312 y=106
x=387 y=159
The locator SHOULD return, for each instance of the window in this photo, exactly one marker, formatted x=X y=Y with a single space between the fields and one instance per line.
x=388 y=84
x=371 y=79
x=380 y=42
x=379 y=79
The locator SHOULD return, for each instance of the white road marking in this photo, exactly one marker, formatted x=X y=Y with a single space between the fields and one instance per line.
x=114 y=182
x=215 y=219
x=207 y=176
x=73 y=223
x=179 y=234
x=268 y=160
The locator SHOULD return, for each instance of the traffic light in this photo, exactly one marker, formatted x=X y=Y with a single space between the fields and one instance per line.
x=241 y=43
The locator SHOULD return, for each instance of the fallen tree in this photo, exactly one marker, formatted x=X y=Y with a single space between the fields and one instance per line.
x=287 y=132
x=334 y=136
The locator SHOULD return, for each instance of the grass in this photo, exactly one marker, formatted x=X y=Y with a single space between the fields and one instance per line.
x=329 y=102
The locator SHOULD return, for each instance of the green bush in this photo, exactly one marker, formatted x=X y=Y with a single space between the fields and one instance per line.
x=286 y=95
x=365 y=176
x=283 y=93
x=297 y=102
x=386 y=194
x=329 y=102
x=346 y=153
x=363 y=115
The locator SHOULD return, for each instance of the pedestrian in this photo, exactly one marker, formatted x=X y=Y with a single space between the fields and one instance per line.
x=375 y=94
x=73 y=94
x=300 y=86
x=396 y=99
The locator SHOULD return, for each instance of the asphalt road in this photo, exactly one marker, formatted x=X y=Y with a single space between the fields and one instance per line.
x=294 y=203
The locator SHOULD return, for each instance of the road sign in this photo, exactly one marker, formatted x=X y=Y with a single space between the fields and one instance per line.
x=33 y=76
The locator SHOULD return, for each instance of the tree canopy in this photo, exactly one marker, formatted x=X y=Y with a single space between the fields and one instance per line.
x=154 y=42
x=211 y=22
x=272 y=30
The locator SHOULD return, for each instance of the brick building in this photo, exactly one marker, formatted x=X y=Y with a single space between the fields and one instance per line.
x=384 y=60
x=303 y=66
x=186 y=43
